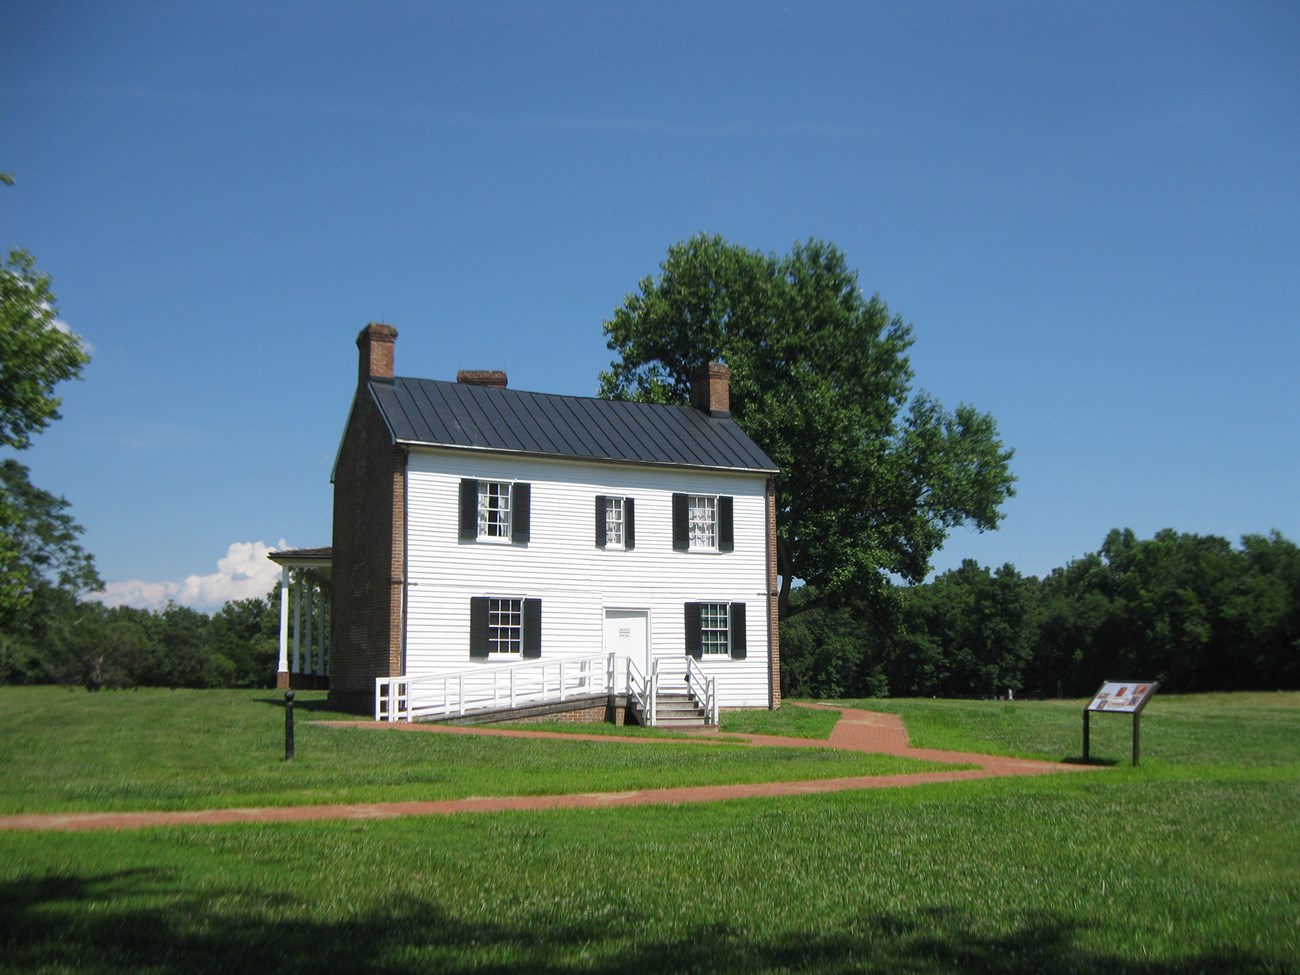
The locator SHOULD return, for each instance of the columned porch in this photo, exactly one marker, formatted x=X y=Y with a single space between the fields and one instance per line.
x=305 y=576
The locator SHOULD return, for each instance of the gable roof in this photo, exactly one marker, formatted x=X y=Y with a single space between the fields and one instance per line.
x=436 y=413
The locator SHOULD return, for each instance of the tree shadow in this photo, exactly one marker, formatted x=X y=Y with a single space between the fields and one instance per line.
x=144 y=920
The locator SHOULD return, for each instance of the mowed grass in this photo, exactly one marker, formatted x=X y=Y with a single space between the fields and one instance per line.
x=1189 y=863
x=63 y=751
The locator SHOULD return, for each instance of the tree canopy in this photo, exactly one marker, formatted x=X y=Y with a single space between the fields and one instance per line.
x=873 y=477
x=36 y=351
x=38 y=538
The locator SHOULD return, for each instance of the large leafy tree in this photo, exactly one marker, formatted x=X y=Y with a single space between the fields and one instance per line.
x=873 y=476
x=36 y=351
x=38 y=539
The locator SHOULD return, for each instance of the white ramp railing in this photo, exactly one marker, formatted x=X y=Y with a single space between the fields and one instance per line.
x=532 y=682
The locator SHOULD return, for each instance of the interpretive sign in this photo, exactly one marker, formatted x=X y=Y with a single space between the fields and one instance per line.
x=1126 y=696
x=1120 y=697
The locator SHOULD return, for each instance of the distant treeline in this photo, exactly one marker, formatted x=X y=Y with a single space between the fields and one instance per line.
x=61 y=640
x=1190 y=611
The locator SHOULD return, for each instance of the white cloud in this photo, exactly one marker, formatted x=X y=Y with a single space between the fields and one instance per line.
x=244 y=573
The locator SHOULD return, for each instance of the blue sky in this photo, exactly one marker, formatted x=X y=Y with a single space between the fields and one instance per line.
x=1090 y=213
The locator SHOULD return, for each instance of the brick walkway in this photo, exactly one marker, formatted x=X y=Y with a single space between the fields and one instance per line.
x=859 y=731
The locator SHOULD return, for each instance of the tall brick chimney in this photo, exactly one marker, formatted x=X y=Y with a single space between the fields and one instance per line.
x=376 y=344
x=494 y=378
x=711 y=389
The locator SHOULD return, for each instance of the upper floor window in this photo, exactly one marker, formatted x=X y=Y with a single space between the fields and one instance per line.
x=495 y=510
x=703 y=523
x=615 y=522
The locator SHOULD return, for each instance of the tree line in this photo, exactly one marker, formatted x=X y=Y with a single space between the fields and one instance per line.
x=1191 y=611
x=64 y=640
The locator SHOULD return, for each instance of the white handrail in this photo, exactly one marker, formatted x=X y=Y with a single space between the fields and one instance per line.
x=703 y=689
x=406 y=698
x=644 y=690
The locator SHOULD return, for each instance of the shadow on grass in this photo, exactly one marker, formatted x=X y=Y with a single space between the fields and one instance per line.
x=301 y=706
x=1080 y=760
x=139 y=920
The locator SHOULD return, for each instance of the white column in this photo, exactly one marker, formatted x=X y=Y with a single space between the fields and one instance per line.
x=283 y=665
x=311 y=606
x=297 y=625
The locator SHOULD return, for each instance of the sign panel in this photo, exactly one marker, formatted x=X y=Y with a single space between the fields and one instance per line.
x=1126 y=697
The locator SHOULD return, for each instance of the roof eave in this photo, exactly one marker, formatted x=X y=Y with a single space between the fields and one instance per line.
x=573 y=458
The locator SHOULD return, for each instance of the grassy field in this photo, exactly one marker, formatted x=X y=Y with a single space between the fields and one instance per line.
x=64 y=751
x=1189 y=863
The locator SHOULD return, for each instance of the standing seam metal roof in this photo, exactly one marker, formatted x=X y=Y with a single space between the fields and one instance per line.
x=447 y=414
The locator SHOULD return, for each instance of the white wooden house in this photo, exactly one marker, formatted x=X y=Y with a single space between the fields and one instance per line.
x=506 y=550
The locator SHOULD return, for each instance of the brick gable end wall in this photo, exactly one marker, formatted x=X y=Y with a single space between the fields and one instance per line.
x=369 y=558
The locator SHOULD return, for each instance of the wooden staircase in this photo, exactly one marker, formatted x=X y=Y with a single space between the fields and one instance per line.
x=675 y=712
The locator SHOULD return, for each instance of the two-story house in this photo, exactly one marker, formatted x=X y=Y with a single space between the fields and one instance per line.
x=477 y=526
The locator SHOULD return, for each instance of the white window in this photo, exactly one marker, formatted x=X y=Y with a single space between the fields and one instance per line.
x=614 y=520
x=505 y=625
x=715 y=628
x=702 y=522
x=493 y=509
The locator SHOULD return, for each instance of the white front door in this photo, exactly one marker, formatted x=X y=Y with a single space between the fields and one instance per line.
x=627 y=633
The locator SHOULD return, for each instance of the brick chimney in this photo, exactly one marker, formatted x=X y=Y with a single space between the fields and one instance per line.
x=711 y=389
x=376 y=344
x=494 y=378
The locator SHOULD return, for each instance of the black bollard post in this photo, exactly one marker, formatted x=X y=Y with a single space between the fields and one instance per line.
x=288 y=726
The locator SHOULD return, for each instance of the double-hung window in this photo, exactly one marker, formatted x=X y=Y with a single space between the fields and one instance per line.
x=495 y=510
x=703 y=523
x=615 y=522
x=715 y=630
x=505 y=625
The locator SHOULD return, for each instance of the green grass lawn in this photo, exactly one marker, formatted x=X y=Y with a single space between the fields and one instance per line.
x=64 y=751
x=1189 y=863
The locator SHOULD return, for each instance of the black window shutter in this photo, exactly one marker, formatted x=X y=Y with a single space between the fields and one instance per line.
x=681 y=536
x=738 y=631
x=629 y=524
x=694 y=631
x=600 y=521
x=726 y=525
x=478 y=626
x=468 y=508
x=520 y=521
x=532 y=627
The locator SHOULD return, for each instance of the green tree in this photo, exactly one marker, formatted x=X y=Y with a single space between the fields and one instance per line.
x=36 y=351
x=872 y=476
x=38 y=544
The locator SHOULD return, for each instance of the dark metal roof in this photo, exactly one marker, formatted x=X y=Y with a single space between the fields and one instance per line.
x=446 y=414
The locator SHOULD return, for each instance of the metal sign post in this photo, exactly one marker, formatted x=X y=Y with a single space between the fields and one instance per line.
x=1120 y=697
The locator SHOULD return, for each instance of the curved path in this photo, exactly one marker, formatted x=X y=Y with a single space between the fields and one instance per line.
x=856 y=730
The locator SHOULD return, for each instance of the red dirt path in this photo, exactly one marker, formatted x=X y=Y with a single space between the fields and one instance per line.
x=856 y=730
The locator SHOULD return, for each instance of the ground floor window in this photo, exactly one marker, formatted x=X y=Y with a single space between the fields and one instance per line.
x=715 y=630
x=505 y=625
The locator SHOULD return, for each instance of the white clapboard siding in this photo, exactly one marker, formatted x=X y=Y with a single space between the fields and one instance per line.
x=575 y=580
